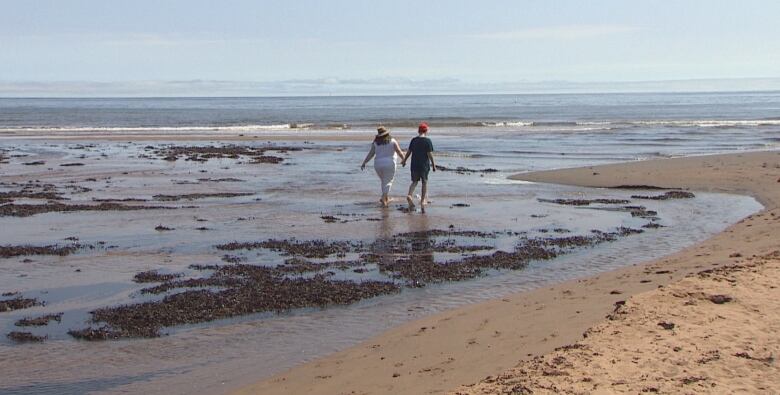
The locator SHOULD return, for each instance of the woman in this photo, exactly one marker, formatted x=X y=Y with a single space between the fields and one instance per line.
x=386 y=149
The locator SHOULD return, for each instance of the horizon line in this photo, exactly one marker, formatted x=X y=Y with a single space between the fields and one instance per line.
x=774 y=90
x=329 y=87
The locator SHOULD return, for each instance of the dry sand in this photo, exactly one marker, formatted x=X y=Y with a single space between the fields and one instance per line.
x=712 y=332
x=440 y=353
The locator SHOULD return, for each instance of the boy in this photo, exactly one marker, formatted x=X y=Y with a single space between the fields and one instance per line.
x=420 y=149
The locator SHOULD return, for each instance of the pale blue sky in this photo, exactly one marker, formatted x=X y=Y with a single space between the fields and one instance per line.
x=380 y=43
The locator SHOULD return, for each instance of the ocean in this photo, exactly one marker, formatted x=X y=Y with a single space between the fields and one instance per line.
x=575 y=111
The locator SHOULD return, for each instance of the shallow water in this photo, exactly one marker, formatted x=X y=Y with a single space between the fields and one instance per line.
x=288 y=201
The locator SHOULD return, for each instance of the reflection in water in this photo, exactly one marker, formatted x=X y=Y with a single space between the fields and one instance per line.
x=383 y=244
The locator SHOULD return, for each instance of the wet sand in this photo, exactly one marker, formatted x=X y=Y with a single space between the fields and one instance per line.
x=460 y=347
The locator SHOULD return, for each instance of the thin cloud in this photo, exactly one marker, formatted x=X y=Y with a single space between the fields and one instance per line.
x=568 y=32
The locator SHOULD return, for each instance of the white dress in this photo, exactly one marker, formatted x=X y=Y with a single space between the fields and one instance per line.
x=384 y=164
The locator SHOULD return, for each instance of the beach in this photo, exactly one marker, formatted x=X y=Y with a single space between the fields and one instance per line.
x=198 y=199
x=345 y=198
x=204 y=245
x=444 y=352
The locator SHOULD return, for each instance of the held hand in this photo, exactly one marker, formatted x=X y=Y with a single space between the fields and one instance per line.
x=433 y=168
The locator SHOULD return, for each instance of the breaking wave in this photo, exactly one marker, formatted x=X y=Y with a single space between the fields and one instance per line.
x=140 y=129
x=573 y=126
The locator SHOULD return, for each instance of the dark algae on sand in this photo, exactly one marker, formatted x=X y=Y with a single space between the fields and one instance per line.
x=249 y=289
x=205 y=153
x=305 y=278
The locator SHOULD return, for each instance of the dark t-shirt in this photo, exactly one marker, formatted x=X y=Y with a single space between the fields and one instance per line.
x=420 y=147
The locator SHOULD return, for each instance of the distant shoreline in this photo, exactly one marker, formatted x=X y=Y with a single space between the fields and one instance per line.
x=370 y=88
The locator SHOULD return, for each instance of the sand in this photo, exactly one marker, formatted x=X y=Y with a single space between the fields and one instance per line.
x=712 y=332
x=443 y=352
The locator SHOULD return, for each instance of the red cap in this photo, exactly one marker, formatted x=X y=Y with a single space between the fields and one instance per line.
x=422 y=128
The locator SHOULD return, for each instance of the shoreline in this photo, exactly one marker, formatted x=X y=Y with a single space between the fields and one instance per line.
x=459 y=347
x=209 y=137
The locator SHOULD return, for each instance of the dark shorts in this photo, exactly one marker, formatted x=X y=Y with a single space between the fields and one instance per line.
x=418 y=175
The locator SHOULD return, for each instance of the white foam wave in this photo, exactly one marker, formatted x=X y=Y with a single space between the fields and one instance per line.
x=505 y=181
x=555 y=126
x=702 y=123
x=597 y=125
x=507 y=124
x=171 y=129
x=561 y=126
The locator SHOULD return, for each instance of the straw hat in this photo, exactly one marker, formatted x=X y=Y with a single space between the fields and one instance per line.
x=381 y=131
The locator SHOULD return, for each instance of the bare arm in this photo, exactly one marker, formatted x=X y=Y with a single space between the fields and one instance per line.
x=433 y=164
x=368 y=156
x=398 y=150
x=408 y=154
x=406 y=157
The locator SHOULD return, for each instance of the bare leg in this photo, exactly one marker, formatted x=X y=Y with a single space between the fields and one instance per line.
x=385 y=200
x=424 y=197
x=410 y=194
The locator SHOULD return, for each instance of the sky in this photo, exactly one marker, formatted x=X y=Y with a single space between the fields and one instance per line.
x=278 y=47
